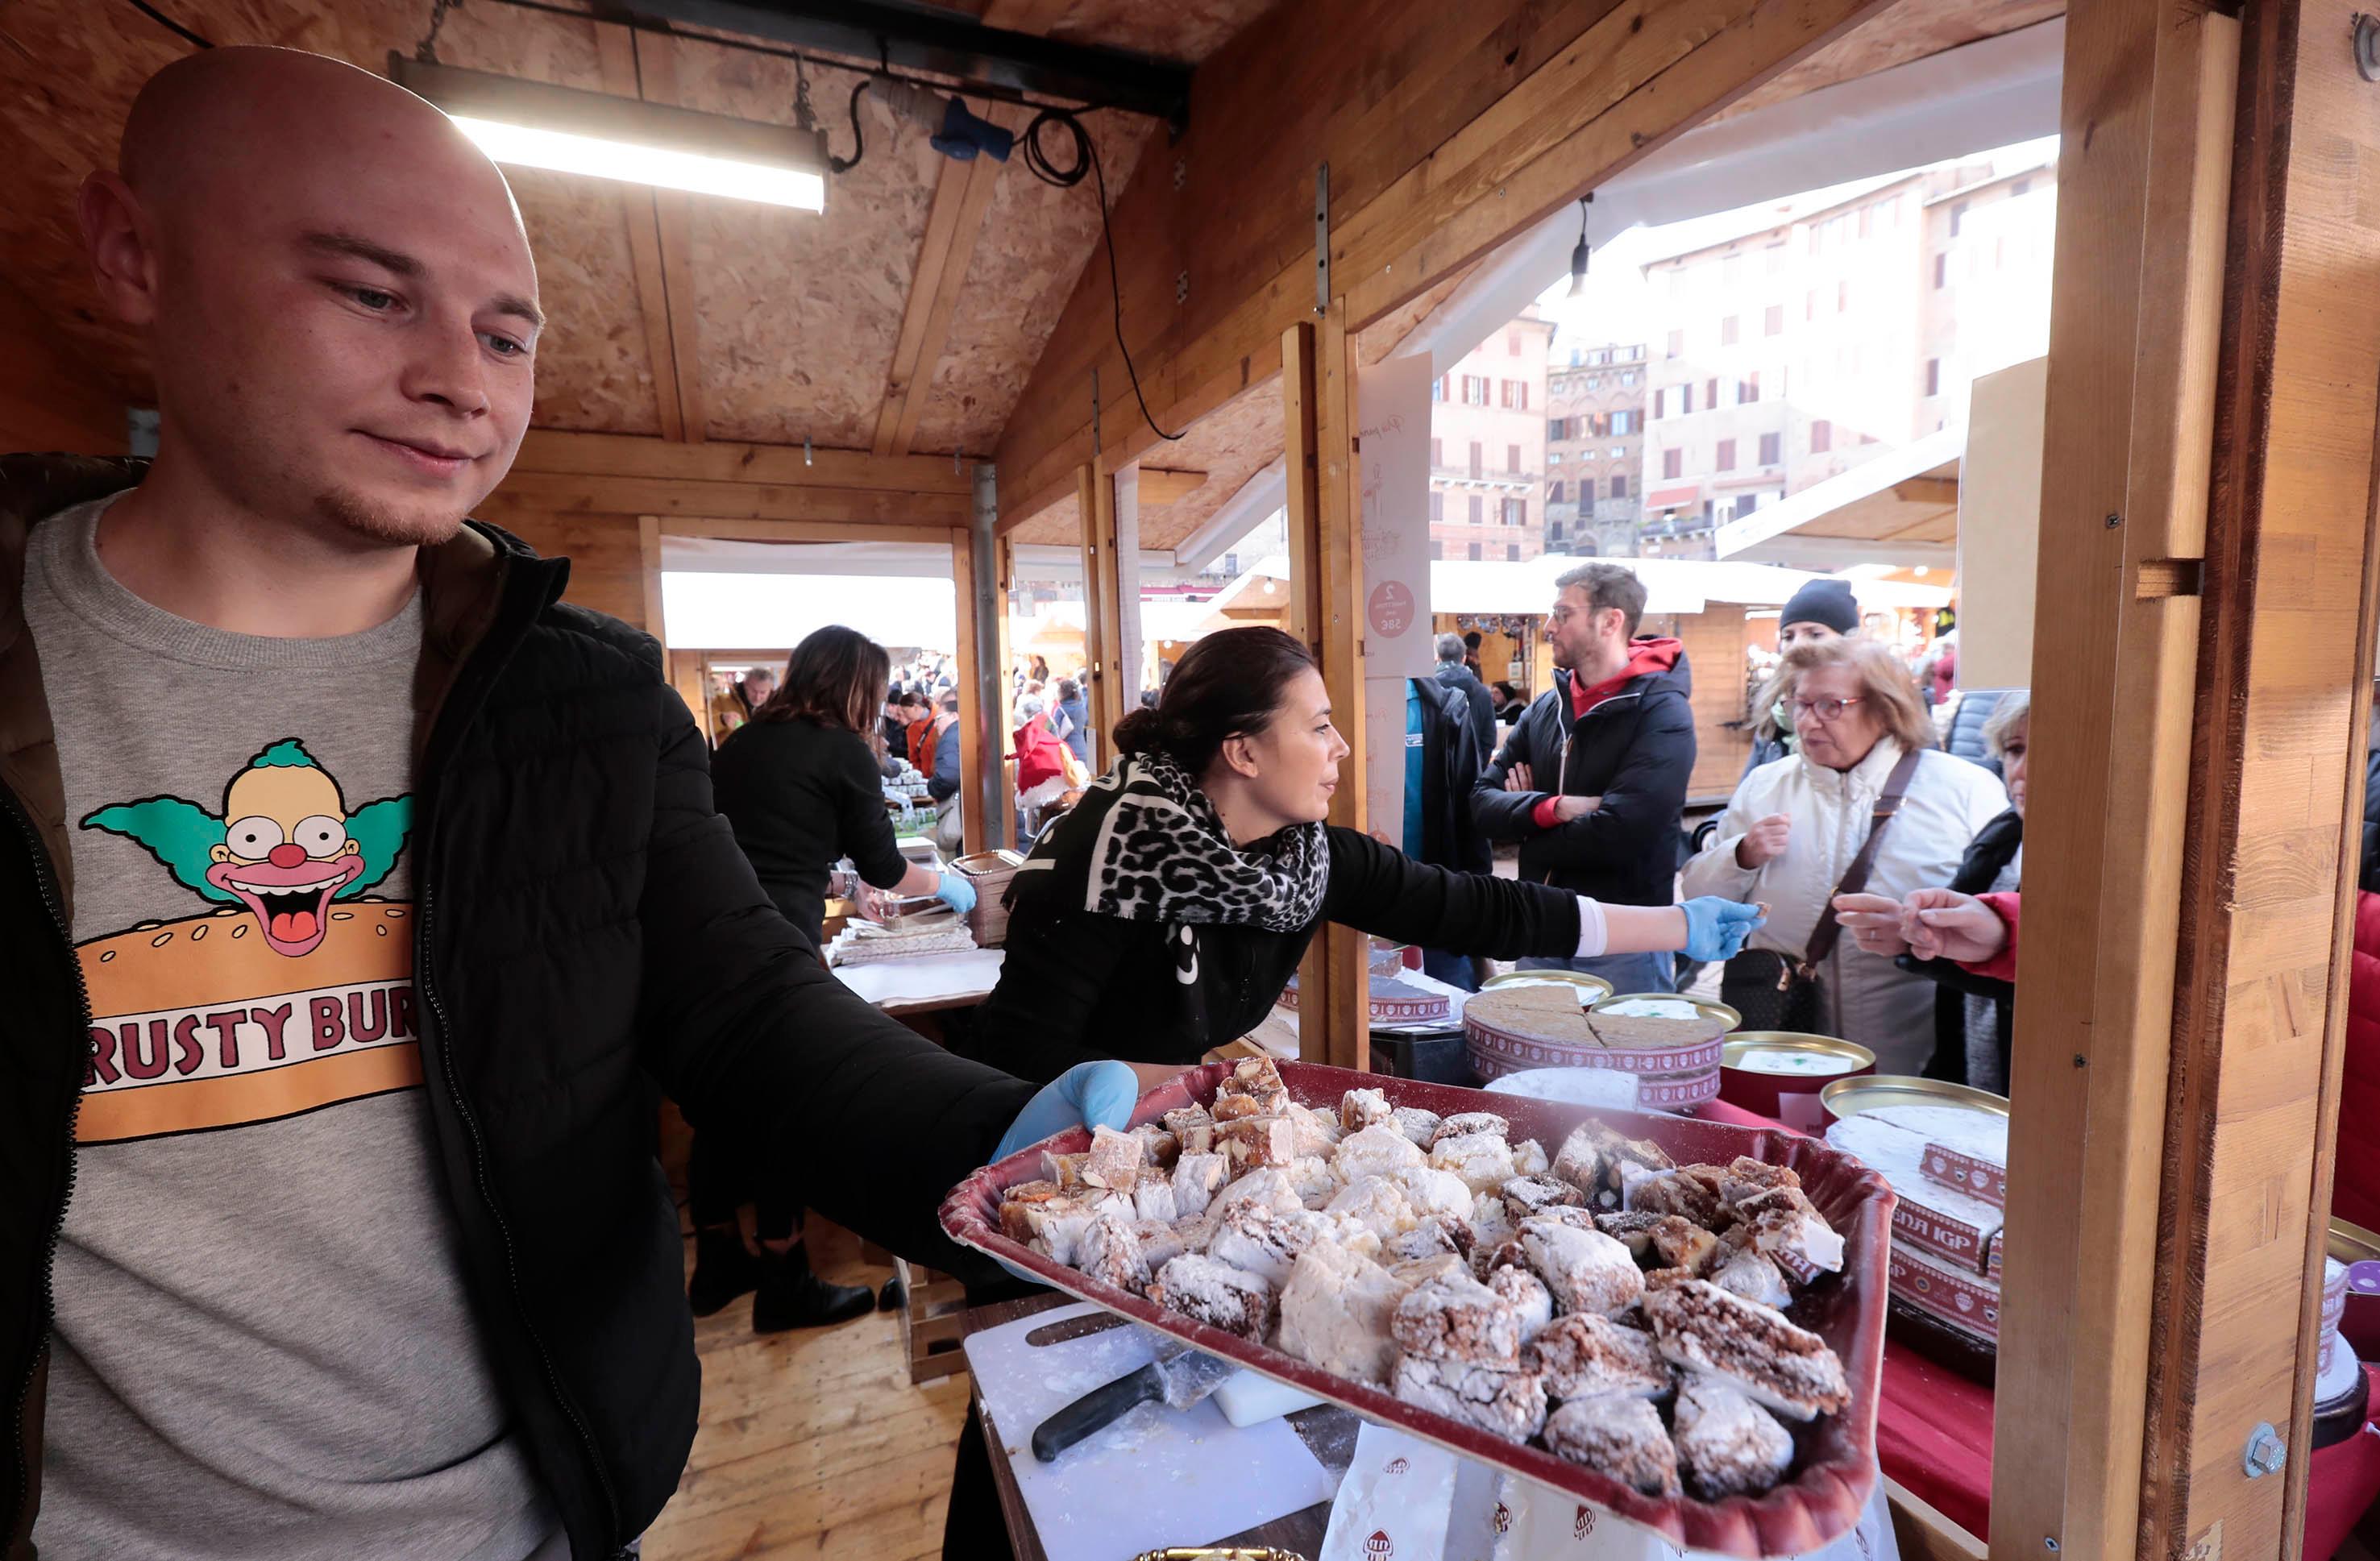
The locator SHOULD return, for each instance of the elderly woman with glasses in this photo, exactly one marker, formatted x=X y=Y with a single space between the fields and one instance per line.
x=1795 y=828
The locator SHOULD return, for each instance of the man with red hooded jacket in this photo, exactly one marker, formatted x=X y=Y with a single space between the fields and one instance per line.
x=1592 y=780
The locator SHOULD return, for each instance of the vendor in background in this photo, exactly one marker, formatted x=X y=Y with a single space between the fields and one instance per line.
x=1163 y=916
x=1791 y=832
x=799 y=786
x=1040 y=765
x=1509 y=702
x=1974 y=1012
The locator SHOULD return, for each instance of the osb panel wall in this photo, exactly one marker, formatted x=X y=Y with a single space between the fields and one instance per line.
x=593 y=369
x=799 y=312
x=1909 y=30
x=1231 y=445
x=1037 y=239
x=1178 y=30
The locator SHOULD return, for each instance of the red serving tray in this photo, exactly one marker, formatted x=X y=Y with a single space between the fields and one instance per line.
x=1834 y=1468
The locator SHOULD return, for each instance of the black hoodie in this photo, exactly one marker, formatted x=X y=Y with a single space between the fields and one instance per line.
x=1634 y=750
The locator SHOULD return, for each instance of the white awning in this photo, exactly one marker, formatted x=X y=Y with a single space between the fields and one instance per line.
x=1887 y=497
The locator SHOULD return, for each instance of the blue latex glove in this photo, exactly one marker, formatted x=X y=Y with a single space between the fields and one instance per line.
x=1716 y=928
x=1088 y=1095
x=952 y=890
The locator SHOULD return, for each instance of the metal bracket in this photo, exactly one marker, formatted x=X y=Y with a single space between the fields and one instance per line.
x=1322 y=239
x=2266 y=1453
x=2367 y=46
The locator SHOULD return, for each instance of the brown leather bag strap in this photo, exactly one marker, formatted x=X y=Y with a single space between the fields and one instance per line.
x=1888 y=803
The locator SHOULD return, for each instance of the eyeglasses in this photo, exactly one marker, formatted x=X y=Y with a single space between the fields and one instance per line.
x=1824 y=709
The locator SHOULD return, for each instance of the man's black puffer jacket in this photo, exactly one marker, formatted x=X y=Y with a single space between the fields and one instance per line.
x=590 y=938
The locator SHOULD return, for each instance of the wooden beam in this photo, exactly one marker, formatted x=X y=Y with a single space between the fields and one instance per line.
x=1469 y=125
x=2136 y=309
x=1326 y=599
x=554 y=491
x=1106 y=561
x=798 y=530
x=616 y=48
x=2269 y=853
x=1927 y=491
x=1095 y=696
x=962 y=194
x=610 y=455
x=656 y=61
x=649 y=554
x=1159 y=486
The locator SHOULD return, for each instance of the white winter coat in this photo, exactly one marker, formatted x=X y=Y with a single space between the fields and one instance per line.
x=1865 y=999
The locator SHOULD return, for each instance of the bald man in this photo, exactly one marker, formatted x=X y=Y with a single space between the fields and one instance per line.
x=358 y=895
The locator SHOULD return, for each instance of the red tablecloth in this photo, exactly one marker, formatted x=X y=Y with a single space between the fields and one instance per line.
x=1934 y=1436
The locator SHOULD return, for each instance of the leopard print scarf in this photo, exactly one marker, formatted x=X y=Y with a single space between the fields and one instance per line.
x=1146 y=844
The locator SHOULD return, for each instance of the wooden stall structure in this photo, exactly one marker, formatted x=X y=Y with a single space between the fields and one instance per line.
x=1345 y=170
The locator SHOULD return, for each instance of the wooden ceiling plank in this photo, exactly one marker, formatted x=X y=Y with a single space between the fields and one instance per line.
x=617 y=47
x=613 y=454
x=673 y=224
x=1159 y=486
x=982 y=178
x=1625 y=82
x=950 y=184
x=557 y=493
x=962 y=191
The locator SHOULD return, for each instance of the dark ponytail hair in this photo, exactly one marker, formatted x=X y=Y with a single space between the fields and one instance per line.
x=1228 y=685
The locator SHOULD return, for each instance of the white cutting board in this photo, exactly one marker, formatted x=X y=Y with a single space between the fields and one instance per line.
x=1158 y=1477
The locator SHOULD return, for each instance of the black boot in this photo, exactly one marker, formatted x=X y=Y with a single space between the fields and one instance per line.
x=723 y=1269
x=894 y=1296
x=792 y=1297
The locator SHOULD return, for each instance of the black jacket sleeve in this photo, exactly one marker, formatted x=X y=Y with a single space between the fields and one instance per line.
x=865 y=827
x=1643 y=797
x=1376 y=889
x=943 y=785
x=1502 y=815
x=742 y=1027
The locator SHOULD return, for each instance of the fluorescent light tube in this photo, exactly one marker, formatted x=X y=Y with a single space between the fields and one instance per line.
x=565 y=152
x=530 y=124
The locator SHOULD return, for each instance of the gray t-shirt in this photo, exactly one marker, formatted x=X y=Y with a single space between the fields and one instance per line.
x=262 y=1348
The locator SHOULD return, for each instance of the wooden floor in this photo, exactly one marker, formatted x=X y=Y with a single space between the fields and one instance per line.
x=813 y=1443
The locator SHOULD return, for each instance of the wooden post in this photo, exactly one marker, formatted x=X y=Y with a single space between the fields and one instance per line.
x=1107 y=560
x=1326 y=610
x=2269 y=854
x=2136 y=302
x=1098 y=695
x=989 y=786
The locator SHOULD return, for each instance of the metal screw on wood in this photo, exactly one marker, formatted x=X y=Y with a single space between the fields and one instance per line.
x=2266 y=1452
x=2048 y=1544
x=2114 y=520
x=2367 y=47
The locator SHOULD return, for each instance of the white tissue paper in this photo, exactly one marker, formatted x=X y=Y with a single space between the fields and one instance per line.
x=1406 y=1500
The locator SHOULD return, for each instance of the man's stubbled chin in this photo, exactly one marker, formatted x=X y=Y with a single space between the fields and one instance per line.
x=292 y=904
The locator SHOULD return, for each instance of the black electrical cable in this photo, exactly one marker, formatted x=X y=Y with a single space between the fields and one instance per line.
x=1086 y=159
x=858 y=140
x=169 y=24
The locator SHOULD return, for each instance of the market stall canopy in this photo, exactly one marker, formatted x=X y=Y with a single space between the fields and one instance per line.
x=1459 y=586
x=1899 y=507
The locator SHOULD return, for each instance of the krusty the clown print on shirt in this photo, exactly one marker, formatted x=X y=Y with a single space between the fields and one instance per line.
x=292 y=991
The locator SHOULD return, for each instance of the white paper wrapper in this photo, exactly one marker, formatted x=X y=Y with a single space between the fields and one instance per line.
x=1403 y=1500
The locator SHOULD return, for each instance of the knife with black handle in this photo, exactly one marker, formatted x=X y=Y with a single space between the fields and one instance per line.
x=1178 y=1383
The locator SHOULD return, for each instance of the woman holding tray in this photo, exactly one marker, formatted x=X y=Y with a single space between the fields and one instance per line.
x=1163 y=916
